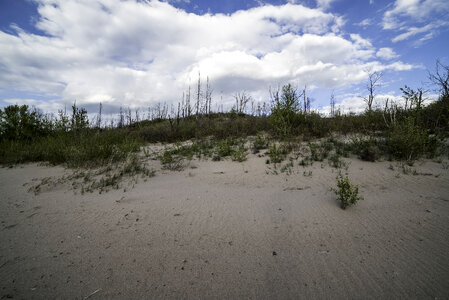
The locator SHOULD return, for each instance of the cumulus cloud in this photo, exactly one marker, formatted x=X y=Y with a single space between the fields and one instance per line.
x=137 y=53
x=386 y=53
x=432 y=14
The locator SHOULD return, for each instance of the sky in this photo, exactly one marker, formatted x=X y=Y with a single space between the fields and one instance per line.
x=139 y=53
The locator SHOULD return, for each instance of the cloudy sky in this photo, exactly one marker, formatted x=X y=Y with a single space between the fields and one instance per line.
x=138 y=53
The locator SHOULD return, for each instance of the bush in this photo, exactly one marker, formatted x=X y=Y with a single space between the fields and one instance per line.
x=276 y=154
x=408 y=141
x=171 y=161
x=224 y=147
x=366 y=149
x=239 y=154
x=284 y=111
x=259 y=144
x=347 y=193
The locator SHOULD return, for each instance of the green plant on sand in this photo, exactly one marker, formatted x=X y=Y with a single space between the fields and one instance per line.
x=347 y=193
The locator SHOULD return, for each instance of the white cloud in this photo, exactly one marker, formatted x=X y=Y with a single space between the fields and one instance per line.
x=364 y=22
x=412 y=31
x=138 y=53
x=432 y=14
x=325 y=4
x=386 y=53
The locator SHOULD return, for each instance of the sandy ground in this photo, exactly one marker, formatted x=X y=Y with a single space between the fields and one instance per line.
x=228 y=230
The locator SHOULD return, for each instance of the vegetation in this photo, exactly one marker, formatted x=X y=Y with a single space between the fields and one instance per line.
x=347 y=193
x=403 y=132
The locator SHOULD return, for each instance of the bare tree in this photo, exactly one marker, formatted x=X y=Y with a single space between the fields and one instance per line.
x=332 y=104
x=198 y=94
x=389 y=113
x=441 y=78
x=121 y=121
x=208 y=96
x=98 y=125
x=241 y=100
x=373 y=83
x=129 y=117
x=305 y=98
x=188 y=107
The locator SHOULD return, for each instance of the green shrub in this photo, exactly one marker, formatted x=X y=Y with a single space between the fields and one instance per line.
x=224 y=147
x=408 y=141
x=335 y=161
x=276 y=154
x=347 y=193
x=171 y=161
x=284 y=110
x=366 y=148
x=239 y=154
x=259 y=144
x=318 y=152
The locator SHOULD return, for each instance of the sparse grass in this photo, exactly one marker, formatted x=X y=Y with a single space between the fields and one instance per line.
x=101 y=179
x=336 y=162
x=318 y=151
x=288 y=167
x=171 y=161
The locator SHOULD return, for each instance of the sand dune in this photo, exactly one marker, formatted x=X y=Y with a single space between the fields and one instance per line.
x=228 y=230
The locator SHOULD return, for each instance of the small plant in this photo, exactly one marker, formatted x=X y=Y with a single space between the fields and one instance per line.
x=366 y=148
x=239 y=154
x=224 y=147
x=276 y=155
x=307 y=173
x=171 y=162
x=406 y=169
x=259 y=144
x=287 y=168
x=318 y=152
x=335 y=161
x=348 y=194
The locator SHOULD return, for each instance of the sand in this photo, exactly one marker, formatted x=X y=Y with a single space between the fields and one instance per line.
x=228 y=230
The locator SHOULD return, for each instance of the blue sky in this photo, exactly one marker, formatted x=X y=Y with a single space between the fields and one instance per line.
x=138 y=53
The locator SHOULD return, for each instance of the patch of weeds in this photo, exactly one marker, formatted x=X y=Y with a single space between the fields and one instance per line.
x=287 y=168
x=347 y=193
x=317 y=152
x=406 y=169
x=445 y=165
x=146 y=151
x=259 y=144
x=171 y=161
x=276 y=154
x=224 y=147
x=336 y=162
x=366 y=148
x=306 y=161
x=239 y=155
x=307 y=173
x=390 y=167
